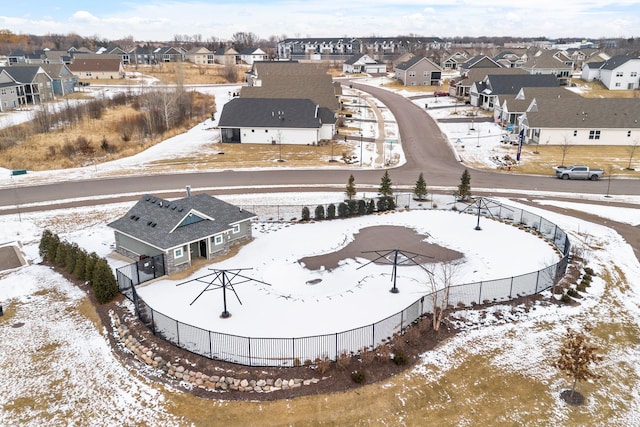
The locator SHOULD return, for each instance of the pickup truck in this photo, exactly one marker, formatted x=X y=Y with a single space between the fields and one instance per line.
x=579 y=172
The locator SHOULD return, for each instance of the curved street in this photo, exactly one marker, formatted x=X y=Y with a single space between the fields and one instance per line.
x=425 y=147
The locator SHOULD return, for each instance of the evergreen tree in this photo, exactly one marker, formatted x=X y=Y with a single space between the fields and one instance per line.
x=362 y=207
x=45 y=242
x=81 y=264
x=371 y=206
x=385 y=185
x=70 y=258
x=331 y=211
x=352 y=206
x=420 y=190
x=105 y=287
x=343 y=210
x=351 y=187
x=61 y=254
x=320 y=212
x=305 y=214
x=464 y=189
x=92 y=260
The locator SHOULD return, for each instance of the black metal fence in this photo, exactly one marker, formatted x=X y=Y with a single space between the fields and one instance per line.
x=286 y=352
x=141 y=271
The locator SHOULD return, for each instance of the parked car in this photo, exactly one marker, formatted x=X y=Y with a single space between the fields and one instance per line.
x=579 y=172
x=440 y=93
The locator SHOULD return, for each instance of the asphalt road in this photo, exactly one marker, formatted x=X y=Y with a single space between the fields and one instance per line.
x=425 y=147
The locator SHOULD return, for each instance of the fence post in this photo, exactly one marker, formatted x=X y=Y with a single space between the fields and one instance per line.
x=511 y=288
x=210 y=345
x=178 y=331
x=537 y=280
x=480 y=294
x=293 y=346
x=250 y=361
x=373 y=336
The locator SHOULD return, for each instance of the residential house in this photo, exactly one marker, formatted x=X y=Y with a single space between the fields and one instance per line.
x=195 y=227
x=419 y=71
x=555 y=63
x=621 y=72
x=226 y=56
x=200 y=56
x=98 y=68
x=583 y=121
x=306 y=48
x=292 y=80
x=9 y=91
x=508 y=107
x=276 y=121
x=478 y=61
x=143 y=55
x=509 y=59
x=253 y=54
x=483 y=93
x=580 y=56
x=36 y=85
x=168 y=54
x=125 y=55
x=63 y=82
x=461 y=86
x=340 y=49
x=362 y=63
x=453 y=61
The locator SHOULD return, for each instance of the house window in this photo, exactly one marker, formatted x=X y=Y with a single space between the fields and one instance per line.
x=619 y=74
x=425 y=74
x=618 y=84
x=217 y=240
x=628 y=134
x=178 y=253
x=594 y=134
x=634 y=74
x=412 y=73
x=575 y=133
x=236 y=228
x=413 y=83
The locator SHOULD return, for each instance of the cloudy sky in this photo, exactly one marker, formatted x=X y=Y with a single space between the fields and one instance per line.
x=162 y=19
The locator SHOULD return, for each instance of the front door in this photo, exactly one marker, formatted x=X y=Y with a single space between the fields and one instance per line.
x=203 y=248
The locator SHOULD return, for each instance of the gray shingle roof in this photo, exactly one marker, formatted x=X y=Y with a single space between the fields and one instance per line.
x=512 y=83
x=581 y=113
x=23 y=73
x=156 y=221
x=264 y=113
x=615 y=61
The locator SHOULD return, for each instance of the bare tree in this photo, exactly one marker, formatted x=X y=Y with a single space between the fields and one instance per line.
x=631 y=149
x=577 y=355
x=441 y=279
x=564 y=148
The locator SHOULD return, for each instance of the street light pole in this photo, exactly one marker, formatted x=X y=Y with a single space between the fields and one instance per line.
x=478 y=144
x=360 y=149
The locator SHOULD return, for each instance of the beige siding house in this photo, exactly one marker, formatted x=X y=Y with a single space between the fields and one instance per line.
x=90 y=69
x=582 y=121
x=419 y=71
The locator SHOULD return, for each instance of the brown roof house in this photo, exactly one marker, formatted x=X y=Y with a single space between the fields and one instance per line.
x=419 y=71
x=97 y=68
x=582 y=121
x=195 y=227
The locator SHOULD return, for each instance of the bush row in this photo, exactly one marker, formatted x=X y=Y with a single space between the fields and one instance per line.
x=350 y=208
x=88 y=267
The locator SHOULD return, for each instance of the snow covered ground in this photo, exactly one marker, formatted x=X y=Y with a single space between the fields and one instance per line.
x=79 y=382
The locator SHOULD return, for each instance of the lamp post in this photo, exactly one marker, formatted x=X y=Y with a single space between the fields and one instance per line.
x=360 y=149
x=478 y=143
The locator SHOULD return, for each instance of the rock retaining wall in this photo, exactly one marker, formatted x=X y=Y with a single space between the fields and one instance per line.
x=199 y=379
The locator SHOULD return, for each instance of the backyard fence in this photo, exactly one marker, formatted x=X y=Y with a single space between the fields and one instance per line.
x=285 y=352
